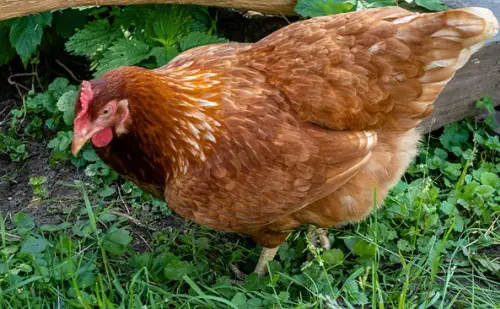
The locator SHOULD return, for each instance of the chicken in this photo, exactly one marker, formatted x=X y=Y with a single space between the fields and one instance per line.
x=298 y=128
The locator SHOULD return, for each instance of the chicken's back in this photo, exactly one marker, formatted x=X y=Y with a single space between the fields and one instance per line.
x=379 y=68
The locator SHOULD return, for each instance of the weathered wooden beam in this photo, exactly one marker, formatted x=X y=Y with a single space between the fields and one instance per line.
x=16 y=8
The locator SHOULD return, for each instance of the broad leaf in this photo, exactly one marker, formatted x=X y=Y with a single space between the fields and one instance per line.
x=23 y=222
x=123 y=52
x=26 y=33
x=34 y=245
x=95 y=37
x=66 y=104
x=195 y=39
x=314 y=8
x=433 y=5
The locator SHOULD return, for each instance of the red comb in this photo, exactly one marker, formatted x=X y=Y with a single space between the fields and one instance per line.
x=86 y=95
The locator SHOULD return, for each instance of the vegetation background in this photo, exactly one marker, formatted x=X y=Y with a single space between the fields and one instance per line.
x=75 y=235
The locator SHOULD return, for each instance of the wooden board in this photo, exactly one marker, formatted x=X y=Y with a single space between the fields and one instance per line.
x=16 y=8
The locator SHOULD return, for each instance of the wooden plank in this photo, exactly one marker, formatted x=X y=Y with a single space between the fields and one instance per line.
x=16 y=8
x=479 y=77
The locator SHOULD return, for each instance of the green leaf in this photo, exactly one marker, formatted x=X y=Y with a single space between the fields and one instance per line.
x=459 y=224
x=86 y=279
x=141 y=260
x=21 y=148
x=454 y=135
x=175 y=269
x=332 y=257
x=116 y=241
x=485 y=190
x=94 y=38
x=26 y=33
x=34 y=245
x=195 y=39
x=123 y=52
x=66 y=104
x=170 y=53
x=107 y=191
x=432 y=5
x=58 y=87
x=239 y=300
x=170 y=22
x=360 y=247
x=90 y=155
x=23 y=222
x=490 y=179
x=160 y=55
x=452 y=170
x=25 y=268
x=447 y=207
x=254 y=282
x=486 y=103
x=314 y=8
x=404 y=245
x=371 y=4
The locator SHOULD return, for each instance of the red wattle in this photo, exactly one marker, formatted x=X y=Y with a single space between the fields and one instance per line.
x=102 y=138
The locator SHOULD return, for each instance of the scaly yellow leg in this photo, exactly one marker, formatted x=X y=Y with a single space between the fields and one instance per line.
x=266 y=255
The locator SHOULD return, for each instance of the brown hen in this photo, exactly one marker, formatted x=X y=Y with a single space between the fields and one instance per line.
x=298 y=128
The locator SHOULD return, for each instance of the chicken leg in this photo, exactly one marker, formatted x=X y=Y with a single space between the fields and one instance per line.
x=266 y=255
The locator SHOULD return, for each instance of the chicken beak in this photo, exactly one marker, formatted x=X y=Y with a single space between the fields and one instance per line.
x=78 y=142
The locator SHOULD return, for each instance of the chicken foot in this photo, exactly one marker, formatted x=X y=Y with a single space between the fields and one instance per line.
x=266 y=255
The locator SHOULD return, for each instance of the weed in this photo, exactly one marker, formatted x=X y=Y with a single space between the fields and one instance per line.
x=13 y=147
x=39 y=186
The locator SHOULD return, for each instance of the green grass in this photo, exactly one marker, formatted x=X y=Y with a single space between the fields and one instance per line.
x=434 y=244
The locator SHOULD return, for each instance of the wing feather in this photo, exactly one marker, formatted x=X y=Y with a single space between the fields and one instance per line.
x=380 y=68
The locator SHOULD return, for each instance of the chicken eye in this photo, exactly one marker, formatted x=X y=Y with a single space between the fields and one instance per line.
x=106 y=110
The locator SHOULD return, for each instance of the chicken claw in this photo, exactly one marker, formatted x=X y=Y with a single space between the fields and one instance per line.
x=266 y=255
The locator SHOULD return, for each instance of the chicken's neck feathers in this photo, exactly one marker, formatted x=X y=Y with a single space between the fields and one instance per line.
x=174 y=115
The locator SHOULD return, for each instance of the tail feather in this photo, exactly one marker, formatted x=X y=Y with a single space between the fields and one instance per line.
x=448 y=40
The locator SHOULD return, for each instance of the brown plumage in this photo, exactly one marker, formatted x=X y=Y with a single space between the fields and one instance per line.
x=298 y=128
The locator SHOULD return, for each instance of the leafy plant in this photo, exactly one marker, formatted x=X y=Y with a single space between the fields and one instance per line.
x=13 y=147
x=51 y=110
x=39 y=186
x=24 y=36
x=314 y=8
x=142 y=35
